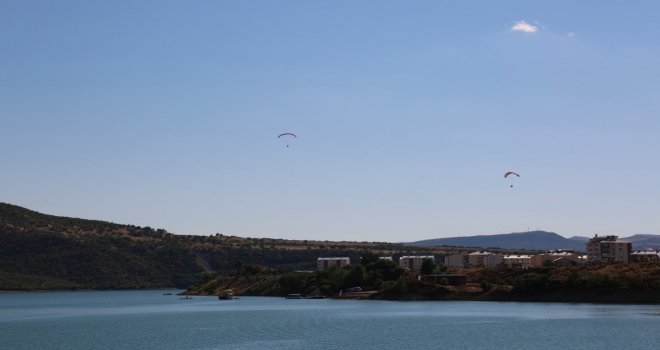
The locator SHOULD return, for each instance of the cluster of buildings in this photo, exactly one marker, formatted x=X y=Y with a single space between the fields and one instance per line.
x=609 y=249
x=648 y=255
x=414 y=263
x=411 y=263
x=603 y=249
x=489 y=259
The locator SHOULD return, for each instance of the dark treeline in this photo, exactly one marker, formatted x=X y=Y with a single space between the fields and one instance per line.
x=258 y=280
x=617 y=283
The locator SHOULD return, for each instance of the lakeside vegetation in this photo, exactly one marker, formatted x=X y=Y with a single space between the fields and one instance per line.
x=617 y=283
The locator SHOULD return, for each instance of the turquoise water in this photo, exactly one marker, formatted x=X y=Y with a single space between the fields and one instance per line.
x=151 y=320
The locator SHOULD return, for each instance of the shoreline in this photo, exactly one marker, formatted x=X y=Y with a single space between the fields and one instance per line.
x=606 y=299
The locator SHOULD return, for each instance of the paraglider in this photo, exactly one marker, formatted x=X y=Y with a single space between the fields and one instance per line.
x=287 y=135
x=509 y=173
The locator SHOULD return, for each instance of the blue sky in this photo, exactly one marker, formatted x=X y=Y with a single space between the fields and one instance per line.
x=408 y=113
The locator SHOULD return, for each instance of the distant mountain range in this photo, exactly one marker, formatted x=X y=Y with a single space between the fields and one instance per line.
x=532 y=240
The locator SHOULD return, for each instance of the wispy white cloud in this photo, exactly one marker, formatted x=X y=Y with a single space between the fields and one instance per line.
x=525 y=27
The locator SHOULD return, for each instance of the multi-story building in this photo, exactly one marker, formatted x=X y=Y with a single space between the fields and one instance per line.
x=608 y=249
x=474 y=259
x=648 y=255
x=484 y=259
x=328 y=263
x=518 y=261
x=414 y=262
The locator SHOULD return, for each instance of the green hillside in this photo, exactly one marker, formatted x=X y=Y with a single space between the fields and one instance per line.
x=39 y=251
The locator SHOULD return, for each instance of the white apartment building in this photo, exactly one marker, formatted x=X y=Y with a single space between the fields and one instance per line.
x=518 y=261
x=414 y=262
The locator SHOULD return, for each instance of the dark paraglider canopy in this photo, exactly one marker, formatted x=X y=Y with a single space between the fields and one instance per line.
x=509 y=173
x=287 y=135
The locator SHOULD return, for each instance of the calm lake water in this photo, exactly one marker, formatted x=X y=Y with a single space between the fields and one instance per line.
x=151 y=320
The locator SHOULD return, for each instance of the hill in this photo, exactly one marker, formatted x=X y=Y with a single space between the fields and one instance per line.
x=40 y=251
x=644 y=241
x=533 y=240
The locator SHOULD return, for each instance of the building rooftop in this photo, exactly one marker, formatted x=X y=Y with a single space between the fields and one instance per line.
x=481 y=253
x=646 y=252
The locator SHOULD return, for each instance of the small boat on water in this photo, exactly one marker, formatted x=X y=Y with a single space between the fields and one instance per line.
x=187 y=297
x=294 y=296
x=227 y=294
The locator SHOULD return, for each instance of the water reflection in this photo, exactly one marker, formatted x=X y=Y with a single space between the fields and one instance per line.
x=150 y=320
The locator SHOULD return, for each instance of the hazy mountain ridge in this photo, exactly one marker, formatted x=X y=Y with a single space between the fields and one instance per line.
x=643 y=241
x=533 y=240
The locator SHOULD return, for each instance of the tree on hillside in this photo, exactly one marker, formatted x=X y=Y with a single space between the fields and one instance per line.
x=400 y=286
x=368 y=258
x=238 y=266
x=428 y=266
x=332 y=280
x=386 y=270
x=293 y=282
x=355 y=277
